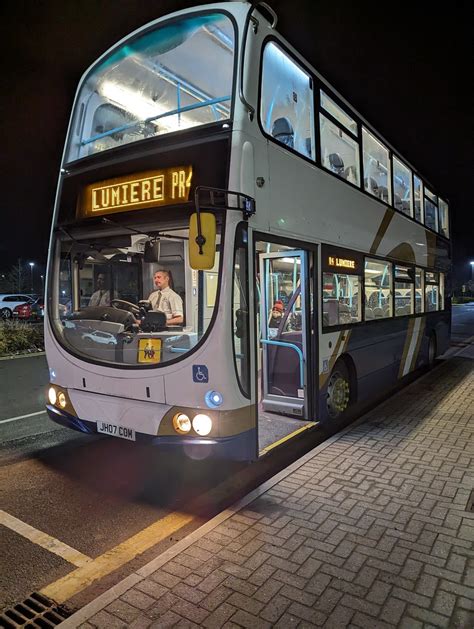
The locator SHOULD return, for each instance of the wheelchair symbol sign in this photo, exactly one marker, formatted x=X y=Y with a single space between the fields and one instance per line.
x=200 y=373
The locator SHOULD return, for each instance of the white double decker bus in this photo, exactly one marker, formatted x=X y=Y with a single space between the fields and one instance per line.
x=305 y=261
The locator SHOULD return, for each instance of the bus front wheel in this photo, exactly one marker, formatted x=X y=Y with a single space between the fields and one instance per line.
x=338 y=391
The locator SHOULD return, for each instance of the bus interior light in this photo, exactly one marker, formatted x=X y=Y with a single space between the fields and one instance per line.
x=202 y=424
x=52 y=396
x=213 y=399
x=181 y=423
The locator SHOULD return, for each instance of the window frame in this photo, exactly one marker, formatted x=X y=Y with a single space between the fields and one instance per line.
x=314 y=159
x=144 y=144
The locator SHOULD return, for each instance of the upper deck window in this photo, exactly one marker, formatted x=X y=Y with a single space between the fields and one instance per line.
x=336 y=112
x=403 y=199
x=339 y=150
x=376 y=167
x=418 y=190
x=443 y=218
x=173 y=77
x=286 y=107
x=431 y=210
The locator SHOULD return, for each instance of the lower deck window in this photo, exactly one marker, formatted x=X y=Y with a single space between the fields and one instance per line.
x=403 y=290
x=431 y=291
x=341 y=299
x=378 y=289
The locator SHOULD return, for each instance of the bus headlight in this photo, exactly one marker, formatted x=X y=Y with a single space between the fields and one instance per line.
x=62 y=400
x=52 y=397
x=202 y=424
x=181 y=423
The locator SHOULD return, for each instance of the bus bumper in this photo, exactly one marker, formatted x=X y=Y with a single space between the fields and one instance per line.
x=241 y=447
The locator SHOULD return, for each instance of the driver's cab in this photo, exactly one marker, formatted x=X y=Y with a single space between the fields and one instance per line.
x=109 y=308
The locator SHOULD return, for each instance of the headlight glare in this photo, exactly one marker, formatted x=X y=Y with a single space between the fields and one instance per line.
x=202 y=424
x=52 y=395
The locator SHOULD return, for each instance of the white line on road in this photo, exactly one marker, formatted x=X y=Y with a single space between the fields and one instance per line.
x=43 y=539
x=13 y=419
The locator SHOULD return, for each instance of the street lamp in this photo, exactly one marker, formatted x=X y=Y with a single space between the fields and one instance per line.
x=42 y=283
x=32 y=264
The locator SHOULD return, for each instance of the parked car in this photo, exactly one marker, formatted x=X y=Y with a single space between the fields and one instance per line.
x=33 y=311
x=9 y=301
x=100 y=337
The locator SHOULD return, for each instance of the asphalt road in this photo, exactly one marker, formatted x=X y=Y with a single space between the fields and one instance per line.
x=95 y=493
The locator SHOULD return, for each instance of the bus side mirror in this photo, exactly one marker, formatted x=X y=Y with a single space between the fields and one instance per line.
x=202 y=257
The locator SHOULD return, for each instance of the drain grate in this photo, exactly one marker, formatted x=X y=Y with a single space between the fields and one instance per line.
x=35 y=611
x=470 y=502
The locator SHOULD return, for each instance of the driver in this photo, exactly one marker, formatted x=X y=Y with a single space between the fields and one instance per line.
x=164 y=299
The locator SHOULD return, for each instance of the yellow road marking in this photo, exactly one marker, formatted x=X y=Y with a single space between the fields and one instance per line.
x=77 y=580
x=290 y=436
x=44 y=540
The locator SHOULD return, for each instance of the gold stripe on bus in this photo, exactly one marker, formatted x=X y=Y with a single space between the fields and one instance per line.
x=421 y=331
x=408 y=338
x=290 y=436
x=389 y=213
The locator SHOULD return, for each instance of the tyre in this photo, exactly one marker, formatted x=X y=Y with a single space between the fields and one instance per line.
x=339 y=392
x=6 y=313
x=432 y=351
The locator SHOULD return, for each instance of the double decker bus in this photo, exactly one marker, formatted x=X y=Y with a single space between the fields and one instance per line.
x=308 y=260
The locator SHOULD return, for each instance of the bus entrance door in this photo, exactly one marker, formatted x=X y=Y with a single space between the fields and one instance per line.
x=283 y=307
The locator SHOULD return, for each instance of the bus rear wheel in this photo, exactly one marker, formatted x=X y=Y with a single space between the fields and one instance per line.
x=339 y=391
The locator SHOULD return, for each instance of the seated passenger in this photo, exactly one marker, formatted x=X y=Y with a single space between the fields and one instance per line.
x=276 y=314
x=164 y=299
x=283 y=132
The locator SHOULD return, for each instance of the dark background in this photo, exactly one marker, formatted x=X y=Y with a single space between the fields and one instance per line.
x=406 y=68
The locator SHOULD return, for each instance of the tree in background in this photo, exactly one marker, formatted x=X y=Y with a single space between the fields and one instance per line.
x=16 y=279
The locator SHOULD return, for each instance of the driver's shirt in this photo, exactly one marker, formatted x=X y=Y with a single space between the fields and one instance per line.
x=167 y=301
x=100 y=298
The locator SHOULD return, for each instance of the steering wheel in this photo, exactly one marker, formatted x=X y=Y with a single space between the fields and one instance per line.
x=121 y=304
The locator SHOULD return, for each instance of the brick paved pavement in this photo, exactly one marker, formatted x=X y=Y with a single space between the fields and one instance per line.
x=367 y=530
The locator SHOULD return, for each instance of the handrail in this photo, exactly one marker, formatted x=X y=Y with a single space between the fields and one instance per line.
x=179 y=110
x=293 y=346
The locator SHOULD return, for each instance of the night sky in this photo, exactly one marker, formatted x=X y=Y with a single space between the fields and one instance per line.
x=406 y=68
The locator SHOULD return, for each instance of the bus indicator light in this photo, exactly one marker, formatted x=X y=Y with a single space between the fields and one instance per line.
x=213 y=399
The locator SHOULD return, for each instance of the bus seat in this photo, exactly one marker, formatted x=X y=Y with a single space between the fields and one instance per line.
x=397 y=201
x=371 y=185
x=282 y=131
x=383 y=193
x=406 y=206
x=336 y=163
x=369 y=313
x=378 y=313
x=308 y=146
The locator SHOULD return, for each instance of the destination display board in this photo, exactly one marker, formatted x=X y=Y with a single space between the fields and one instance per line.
x=341 y=260
x=136 y=192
